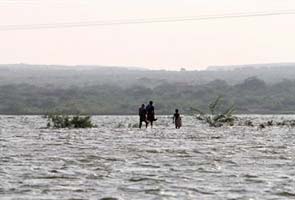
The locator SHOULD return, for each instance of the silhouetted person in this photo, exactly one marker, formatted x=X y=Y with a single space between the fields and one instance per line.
x=142 y=116
x=151 y=113
x=177 y=119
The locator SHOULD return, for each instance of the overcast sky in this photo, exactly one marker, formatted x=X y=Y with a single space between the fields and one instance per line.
x=191 y=44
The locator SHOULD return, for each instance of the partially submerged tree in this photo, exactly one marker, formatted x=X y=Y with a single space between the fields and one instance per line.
x=214 y=117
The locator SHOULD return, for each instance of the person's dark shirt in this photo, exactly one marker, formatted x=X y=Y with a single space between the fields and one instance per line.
x=176 y=116
x=142 y=112
x=150 y=109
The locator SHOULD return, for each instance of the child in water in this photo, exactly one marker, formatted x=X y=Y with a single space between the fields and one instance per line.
x=177 y=119
x=142 y=116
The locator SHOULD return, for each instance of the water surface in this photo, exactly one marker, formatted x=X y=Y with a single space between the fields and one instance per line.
x=116 y=160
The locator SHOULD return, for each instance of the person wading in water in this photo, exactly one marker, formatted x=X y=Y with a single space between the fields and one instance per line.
x=151 y=113
x=142 y=116
x=177 y=119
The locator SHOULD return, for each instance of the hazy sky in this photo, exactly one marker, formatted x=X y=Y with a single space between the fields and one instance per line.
x=193 y=44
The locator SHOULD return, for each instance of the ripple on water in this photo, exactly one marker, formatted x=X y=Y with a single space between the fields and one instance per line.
x=114 y=162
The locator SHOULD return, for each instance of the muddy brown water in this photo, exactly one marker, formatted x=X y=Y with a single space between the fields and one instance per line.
x=116 y=161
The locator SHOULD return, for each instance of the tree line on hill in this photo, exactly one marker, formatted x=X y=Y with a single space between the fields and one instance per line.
x=251 y=96
x=78 y=76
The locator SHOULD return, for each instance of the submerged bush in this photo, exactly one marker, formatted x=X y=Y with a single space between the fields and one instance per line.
x=215 y=118
x=284 y=123
x=65 y=121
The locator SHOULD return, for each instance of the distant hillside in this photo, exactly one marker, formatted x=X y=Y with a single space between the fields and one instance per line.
x=251 y=66
x=26 y=89
x=68 y=76
x=251 y=96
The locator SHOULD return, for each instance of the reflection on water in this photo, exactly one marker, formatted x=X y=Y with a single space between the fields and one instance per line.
x=195 y=162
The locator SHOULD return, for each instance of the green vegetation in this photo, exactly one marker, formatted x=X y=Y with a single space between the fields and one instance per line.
x=215 y=118
x=252 y=96
x=107 y=91
x=65 y=121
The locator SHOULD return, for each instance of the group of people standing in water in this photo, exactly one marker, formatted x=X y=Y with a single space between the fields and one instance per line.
x=147 y=115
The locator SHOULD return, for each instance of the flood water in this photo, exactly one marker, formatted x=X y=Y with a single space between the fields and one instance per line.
x=125 y=163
